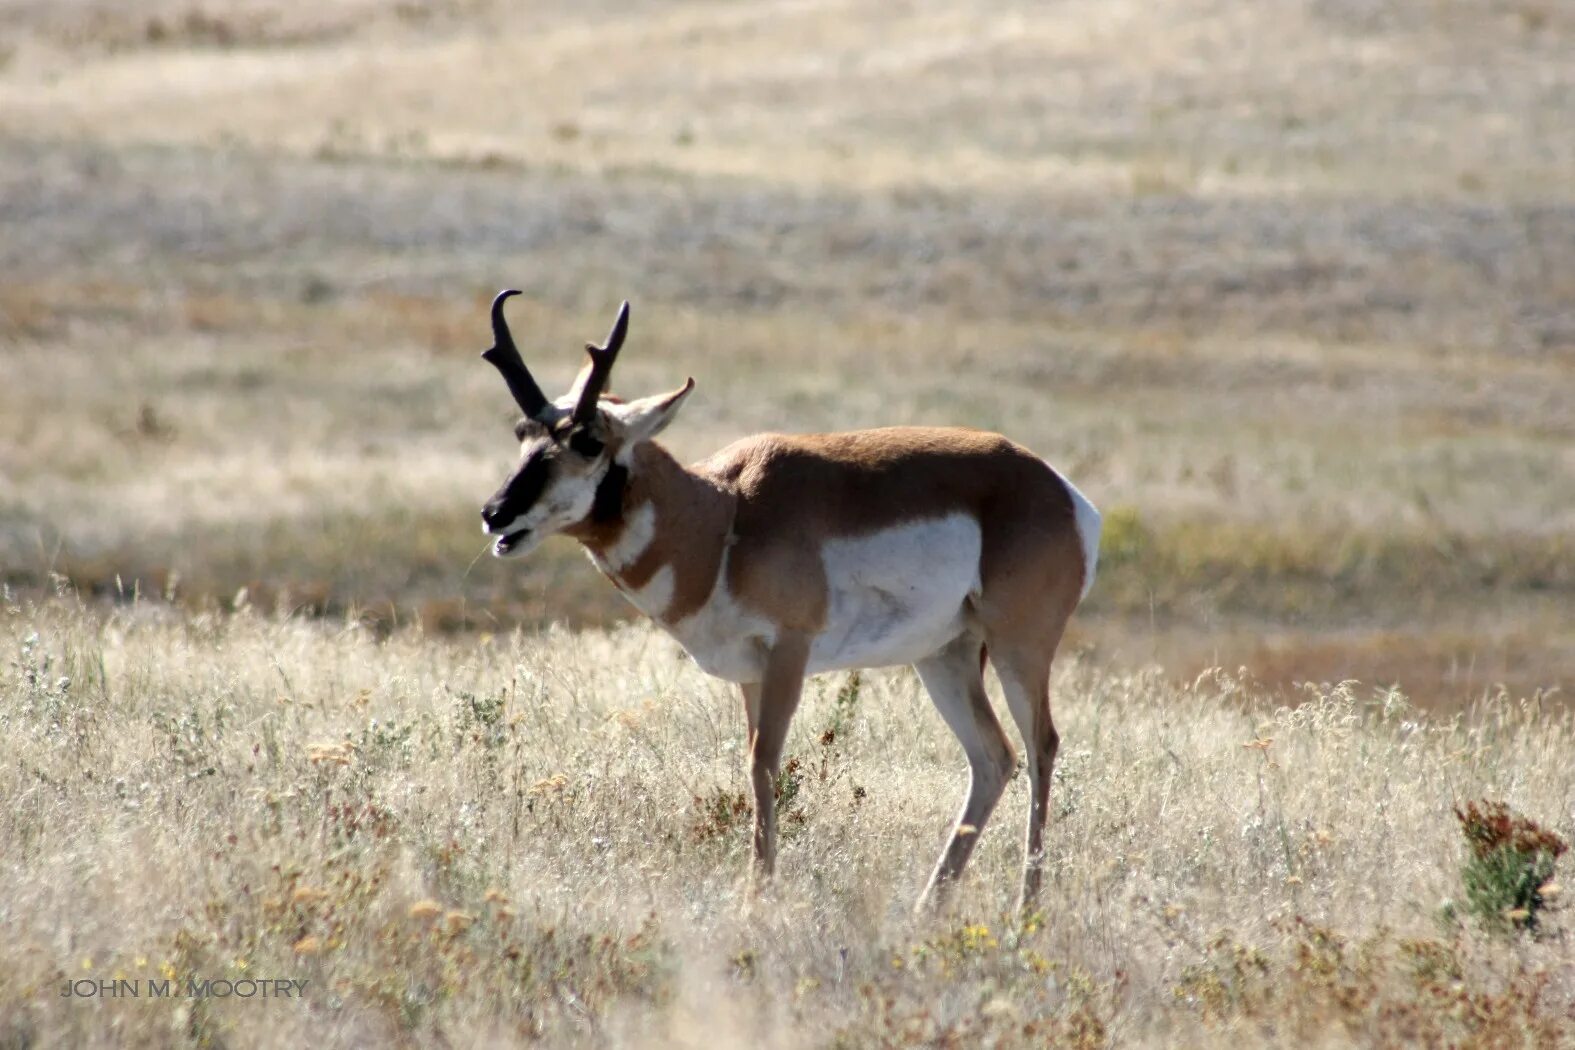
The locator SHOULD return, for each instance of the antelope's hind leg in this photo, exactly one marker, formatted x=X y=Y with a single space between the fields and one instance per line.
x=1024 y=672
x=953 y=677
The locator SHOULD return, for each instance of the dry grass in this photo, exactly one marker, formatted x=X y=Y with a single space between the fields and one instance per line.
x=529 y=835
x=1319 y=97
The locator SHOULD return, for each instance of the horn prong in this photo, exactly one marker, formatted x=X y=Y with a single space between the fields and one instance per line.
x=602 y=358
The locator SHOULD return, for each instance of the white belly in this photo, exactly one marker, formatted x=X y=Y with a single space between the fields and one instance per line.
x=897 y=595
x=893 y=597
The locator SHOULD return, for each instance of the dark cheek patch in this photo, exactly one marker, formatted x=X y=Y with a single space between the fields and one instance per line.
x=608 y=506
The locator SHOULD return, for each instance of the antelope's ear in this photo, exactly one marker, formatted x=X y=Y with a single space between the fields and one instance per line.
x=644 y=419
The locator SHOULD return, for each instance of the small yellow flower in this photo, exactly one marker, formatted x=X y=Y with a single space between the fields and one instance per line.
x=1036 y=962
x=332 y=753
x=556 y=782
x=426 y=909
x=167 y=970
x=87 y=964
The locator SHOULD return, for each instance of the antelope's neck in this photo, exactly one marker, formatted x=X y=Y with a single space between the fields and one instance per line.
x=662 y=545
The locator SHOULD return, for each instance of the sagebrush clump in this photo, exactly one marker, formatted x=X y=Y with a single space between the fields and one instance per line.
x=1508 y=871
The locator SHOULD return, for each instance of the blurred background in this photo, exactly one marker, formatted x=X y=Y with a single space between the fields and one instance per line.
x=1287 y=288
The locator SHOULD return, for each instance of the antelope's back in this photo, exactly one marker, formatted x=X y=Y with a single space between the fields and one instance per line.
x=862 y=481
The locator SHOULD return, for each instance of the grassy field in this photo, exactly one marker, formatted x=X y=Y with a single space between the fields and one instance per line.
x=473 y=841
x=1287 y=289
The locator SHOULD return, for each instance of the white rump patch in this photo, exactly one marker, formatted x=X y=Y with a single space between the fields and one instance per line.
x=897 y=595
x=1088 y=525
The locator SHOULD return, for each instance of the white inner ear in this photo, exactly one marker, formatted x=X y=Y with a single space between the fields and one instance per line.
x=644 y=419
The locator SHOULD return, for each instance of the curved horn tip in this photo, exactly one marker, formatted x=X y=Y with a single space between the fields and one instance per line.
x=502 y=341
x=502 y=297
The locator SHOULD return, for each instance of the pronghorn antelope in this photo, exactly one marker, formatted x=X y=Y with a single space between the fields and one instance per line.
x=786 y=555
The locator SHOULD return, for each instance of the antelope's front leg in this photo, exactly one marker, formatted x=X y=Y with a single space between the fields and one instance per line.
x=770 y=704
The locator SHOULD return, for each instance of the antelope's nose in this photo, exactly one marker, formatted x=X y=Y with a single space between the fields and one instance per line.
x=494 y=516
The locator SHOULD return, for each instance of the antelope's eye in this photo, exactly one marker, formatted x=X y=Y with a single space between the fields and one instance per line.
x=586 y=444
x=521 y=429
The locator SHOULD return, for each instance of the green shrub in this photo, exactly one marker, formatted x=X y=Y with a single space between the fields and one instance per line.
x=1509 y=864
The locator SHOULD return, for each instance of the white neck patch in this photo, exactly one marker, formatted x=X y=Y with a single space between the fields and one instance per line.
x=639 y=529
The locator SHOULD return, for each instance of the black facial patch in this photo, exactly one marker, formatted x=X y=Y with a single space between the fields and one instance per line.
x=586 y=444
x=608 y=505
x=521 y=491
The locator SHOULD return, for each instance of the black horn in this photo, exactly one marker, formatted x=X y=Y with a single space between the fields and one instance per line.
x=602 y=358
x=506 y=359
